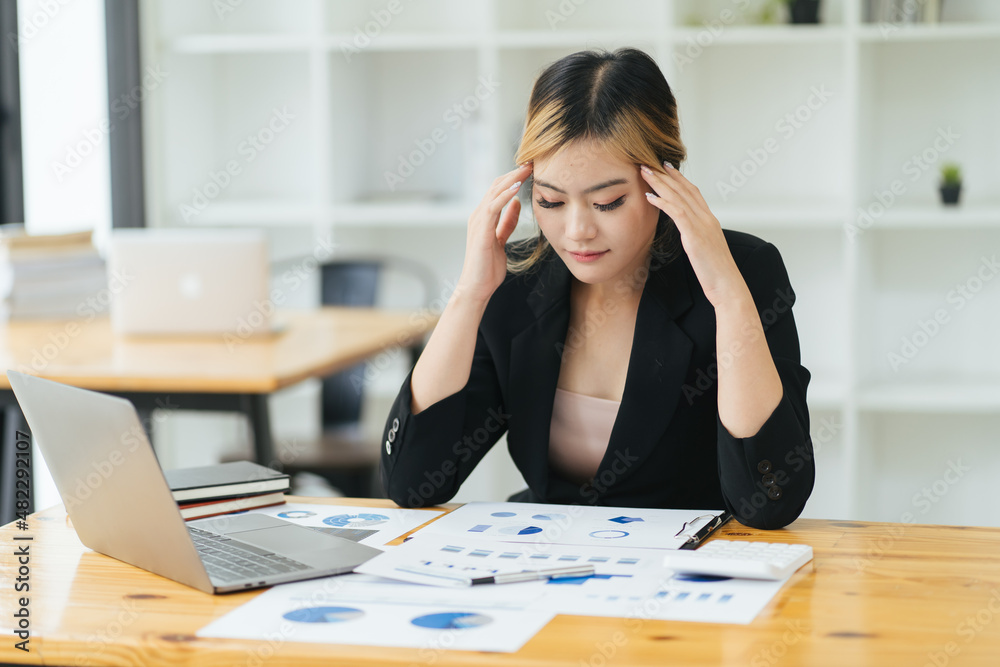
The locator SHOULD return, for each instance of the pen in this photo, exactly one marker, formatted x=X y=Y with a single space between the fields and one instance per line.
x=534 y=575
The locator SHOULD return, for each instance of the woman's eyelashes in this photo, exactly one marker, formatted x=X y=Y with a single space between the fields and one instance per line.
x=545 y=203
x=611 y=206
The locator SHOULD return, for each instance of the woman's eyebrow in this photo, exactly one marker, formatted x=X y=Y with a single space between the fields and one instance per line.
x=593 y=188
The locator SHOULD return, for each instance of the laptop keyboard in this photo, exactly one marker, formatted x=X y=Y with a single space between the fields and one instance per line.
x=227 y=561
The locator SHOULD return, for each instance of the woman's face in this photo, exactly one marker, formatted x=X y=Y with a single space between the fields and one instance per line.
x=593 y=210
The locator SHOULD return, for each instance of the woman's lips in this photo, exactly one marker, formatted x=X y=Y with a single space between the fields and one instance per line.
x=589 y=256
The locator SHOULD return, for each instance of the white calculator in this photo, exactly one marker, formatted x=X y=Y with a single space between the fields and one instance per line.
x=741 y=559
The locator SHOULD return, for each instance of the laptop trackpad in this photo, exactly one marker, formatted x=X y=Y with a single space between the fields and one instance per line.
x=239 y=523
x=309 y=546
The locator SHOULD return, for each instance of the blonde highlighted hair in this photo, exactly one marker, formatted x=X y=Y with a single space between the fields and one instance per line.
x=621 y=101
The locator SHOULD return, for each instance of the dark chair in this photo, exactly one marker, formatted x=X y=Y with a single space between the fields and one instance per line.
x=346 y=459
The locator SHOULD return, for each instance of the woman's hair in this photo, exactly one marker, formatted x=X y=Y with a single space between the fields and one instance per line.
x=621 y=101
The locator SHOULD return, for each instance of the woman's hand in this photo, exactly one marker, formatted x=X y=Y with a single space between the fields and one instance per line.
x=485 y=264
x=701 y=234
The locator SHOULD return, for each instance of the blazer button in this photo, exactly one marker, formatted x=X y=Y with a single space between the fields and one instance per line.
x=391 y=437
x=764 y=467
x=395 y=424
x=774 y=492
x=388 y=447
x=768 y=479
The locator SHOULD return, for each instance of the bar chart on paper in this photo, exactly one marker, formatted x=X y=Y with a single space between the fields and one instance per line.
x=625 y=583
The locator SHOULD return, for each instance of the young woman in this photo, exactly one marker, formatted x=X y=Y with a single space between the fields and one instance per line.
x=635 y=353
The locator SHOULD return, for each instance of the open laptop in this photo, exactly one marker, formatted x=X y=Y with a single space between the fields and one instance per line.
x=189 y=281
x=120 y=504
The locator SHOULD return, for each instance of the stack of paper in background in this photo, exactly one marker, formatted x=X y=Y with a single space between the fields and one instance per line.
x=48 y=276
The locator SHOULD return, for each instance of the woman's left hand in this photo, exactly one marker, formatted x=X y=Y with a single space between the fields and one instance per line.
x=701 y=233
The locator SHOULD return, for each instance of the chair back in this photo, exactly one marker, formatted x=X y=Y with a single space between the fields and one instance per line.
x=346 y=283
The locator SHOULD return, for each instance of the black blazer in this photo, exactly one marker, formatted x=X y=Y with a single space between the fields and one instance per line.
x=668 y=448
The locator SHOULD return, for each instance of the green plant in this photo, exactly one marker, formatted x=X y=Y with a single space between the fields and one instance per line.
x=769 y=12
x=951 y=173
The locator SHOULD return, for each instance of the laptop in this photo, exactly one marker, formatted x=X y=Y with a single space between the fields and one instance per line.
x=189 y=281
x=120 y=505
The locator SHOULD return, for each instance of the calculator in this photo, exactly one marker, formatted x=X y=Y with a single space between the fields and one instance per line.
x=741 y=559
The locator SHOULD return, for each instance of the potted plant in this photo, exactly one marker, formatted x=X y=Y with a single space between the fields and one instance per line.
x=803 y=11
x=951 y=182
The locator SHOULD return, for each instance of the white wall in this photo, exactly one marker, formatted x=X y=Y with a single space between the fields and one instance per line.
x=64 y=115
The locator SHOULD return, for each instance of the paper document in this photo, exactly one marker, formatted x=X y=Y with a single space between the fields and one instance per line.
x=414 y=560
x=367 y=525
x=628 y=583
x=357 y=609
x=625 y=527
x=387 y=605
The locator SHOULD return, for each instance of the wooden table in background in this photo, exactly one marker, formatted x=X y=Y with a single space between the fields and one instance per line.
x=195 y=373
x=876 y=594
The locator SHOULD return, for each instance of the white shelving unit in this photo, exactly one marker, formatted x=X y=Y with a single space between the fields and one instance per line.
x=379 y=155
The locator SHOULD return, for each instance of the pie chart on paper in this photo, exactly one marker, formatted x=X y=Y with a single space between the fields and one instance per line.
x=452 y=620
x=323 y=614
x=519 y=530
x=355 y=520
x=609 y=534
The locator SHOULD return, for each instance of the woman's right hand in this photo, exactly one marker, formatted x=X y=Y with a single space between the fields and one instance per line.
x=485 y=264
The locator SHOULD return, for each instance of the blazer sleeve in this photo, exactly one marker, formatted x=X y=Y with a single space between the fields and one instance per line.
x=425 y=457
x=767 y=478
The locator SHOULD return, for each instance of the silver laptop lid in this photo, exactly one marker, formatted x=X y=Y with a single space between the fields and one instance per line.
x=108 y=477
x=189 y=281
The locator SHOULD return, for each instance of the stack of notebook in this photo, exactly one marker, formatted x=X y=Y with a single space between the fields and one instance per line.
x=226 y=487
x=50 y=276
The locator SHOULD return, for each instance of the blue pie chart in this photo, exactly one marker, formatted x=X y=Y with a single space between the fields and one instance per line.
x=323 y=614
x=452 y=620
x=355 y=520
x=520 y=530
x=609 y=534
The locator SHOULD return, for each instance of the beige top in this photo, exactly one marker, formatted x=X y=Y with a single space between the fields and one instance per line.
x=579 y=433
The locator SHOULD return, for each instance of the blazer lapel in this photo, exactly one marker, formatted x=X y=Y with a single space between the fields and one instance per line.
x=658 y=363
x=535 y=360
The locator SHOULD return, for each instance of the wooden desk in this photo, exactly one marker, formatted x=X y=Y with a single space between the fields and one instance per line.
x=877 y=594
x=196 y=373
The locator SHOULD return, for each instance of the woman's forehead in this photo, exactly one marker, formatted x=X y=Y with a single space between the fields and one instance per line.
x=579 y=162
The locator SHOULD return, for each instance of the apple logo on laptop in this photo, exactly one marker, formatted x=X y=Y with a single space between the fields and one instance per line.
x=190 y=285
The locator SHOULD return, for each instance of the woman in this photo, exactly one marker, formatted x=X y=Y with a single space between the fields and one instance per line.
x=635 y=352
